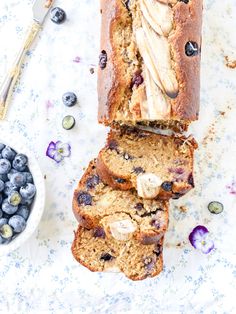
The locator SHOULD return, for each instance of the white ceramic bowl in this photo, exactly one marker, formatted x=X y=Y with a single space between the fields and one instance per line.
x=17 y=143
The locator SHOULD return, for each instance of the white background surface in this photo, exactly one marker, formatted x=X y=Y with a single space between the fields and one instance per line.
x=42 y=277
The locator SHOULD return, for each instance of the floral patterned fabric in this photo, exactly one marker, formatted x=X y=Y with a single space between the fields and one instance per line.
x=42 y=276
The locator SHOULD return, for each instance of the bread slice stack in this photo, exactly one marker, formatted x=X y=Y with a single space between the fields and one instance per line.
x=148 y=76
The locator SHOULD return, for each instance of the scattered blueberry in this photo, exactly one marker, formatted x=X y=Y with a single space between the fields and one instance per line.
x=58 y=15
x=106 y=257
x=2 y=184
x=69 y=99
x=23 y=211
x=28 y=191
x=167 y=186
x=103 y=59
x=6 y=231
x=191 y=49
x=8 y=153
x=1 y=146
x=92 y=182
x=20 y=162
x=84 y=198
x=215 y=207
x=9 y=187
x=18 y=223
x=8 y=208
x=14 y=198
x=5 y=166
x=68 y=122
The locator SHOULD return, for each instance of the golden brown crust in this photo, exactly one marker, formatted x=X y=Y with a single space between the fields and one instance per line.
x=113 y=81
x=188 y=25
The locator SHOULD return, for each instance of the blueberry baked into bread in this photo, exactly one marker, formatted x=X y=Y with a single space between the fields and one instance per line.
x=155 y=165
x=122 y=215
x=98 y=253
x=150 y=62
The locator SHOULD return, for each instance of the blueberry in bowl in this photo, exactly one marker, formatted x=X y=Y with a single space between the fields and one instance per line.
x=22 y=194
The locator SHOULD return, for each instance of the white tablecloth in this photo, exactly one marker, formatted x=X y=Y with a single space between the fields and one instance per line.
x=42 y=276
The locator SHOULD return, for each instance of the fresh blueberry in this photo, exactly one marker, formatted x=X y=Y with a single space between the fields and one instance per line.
x=8 y=153
x=26 y=202
x=18 y=223
x=106 y=257
x=58 y=15
x=20 y=162
x=167 y=186
x=3 y=221
x=69 y=99
x=6 y=231
x=8 y=188
x=23 y=211
x=5 y=166
x=92 y=182
x=4 y=177
x=1 y=146
x=11 y=173
x=84 y=198
x=28 y=191
x=18 y=179
x=2 y=184
x=99 y=233
x=8 y=208
x=28 y=177
x=191 y=49
x=103 y=59
x=1 y=240
x=137 y=80
x=14 y=198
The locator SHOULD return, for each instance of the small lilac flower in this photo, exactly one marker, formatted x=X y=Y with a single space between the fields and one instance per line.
x=58 y=151
x=200 y=240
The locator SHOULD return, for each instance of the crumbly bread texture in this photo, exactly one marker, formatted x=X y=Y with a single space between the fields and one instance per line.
x=99 y=253
x=155 y=165
x=150 y=62
x=121 y=215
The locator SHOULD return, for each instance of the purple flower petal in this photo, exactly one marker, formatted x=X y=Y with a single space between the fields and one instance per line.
x=51 y=150
x=58 y=157
x=200 y=240
x=63 y=148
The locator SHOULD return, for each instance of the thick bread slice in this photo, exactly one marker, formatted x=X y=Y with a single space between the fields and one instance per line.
x=157 y=166
x=99 y=253
x=122 y=215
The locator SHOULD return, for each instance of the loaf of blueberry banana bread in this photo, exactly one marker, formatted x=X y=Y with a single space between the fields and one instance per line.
x=150 y=62
x=99 y=253
x=155 y=165
x=121 y=215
